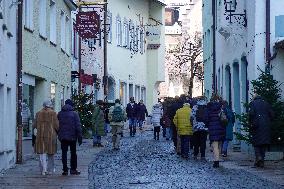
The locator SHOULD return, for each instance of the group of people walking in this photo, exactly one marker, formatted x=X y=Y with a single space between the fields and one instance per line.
x=186 y=121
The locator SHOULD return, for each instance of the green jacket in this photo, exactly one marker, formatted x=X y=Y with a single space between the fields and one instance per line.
x=98 y=122
x=182 y=121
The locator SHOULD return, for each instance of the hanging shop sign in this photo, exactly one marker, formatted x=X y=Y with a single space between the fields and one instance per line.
x=88 y=24
x=86 y=79
x=153 y=32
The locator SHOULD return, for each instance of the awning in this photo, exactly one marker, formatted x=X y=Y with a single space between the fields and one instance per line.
x=162 y=2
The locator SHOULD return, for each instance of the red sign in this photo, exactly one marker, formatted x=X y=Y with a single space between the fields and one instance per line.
x=86 y=79
x=88 y=24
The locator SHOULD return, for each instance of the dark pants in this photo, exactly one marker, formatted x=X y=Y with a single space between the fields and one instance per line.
x=174 y=135
x=260 y=152
x=73 y=160
x=164 y=132
x=156 y=133
x=199 y=142
x=184 y=139
x=132 y=126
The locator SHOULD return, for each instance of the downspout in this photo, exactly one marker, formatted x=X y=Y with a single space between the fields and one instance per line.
x=214 y=46
x=19 y=149
x=268 y=54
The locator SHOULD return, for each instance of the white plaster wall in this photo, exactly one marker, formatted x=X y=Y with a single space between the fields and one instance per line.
x=46 y=61
x=8 y=77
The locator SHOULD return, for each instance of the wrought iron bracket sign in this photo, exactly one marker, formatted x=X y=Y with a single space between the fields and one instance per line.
x=232 y=16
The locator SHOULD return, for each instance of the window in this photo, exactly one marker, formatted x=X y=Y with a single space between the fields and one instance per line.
x=42 y=18
x=125 y=34
x=28 y=14
x=67 y=37
x=62 y=30
x=53 y=93
x=131 y=34
x=109 y=22
x=52 y=20
x=75 y=47
x=118 y=31
x=137 y=36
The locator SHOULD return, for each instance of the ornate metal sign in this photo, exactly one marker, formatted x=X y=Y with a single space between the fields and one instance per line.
x=231 y=15
x=88 y=24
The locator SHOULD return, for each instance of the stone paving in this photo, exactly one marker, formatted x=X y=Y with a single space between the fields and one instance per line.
x=148 y=164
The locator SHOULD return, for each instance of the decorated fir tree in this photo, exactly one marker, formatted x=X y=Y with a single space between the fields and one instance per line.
x=84 y=106
x=269 y=89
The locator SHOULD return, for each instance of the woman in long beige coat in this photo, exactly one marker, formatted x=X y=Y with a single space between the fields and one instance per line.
x=46 y=126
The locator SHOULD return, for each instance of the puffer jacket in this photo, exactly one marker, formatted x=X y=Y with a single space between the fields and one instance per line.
x=182 y=120
x=217 y=132
x=157 y=114
x=98 y=122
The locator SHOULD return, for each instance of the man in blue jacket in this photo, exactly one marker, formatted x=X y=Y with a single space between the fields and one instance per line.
x=131 y=111
x=69 y=133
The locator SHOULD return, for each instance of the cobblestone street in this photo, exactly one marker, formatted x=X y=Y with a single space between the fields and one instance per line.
x=145 y=163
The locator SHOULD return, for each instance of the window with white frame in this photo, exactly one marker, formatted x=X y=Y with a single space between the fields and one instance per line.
x=142 y=40
x=62 y=31
x=118 y=31
x=137 y=32
x=125 y=33
x=109 y=22
x=42 y=18
x=52 y=21
x=75 y=42
x=28 y=14
x=67 y=35
x=131 y=34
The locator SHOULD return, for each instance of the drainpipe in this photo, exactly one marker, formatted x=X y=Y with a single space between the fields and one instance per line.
x=268 y=54
x=105 y=53
x=214 y=45
x=19 y=149
x=79 y=59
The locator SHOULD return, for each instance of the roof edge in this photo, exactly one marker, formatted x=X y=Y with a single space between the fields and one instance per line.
x=71 y=4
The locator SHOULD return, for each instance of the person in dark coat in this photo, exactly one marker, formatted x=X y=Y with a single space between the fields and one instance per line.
x=131 y=111
x=229 y=127
x=141 y=112
x=217 y=131
x=260 y=117
x=69 y=133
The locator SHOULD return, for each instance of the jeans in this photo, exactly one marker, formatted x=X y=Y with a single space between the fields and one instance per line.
x=225 y=147
x=260 y=152
x=132 y=126
x=73 y=160
x=97 y=139
x=184 y=139
x=107 y=127
x=164 y=132
x=168 y=133
x=140 y=123
x=199 y=139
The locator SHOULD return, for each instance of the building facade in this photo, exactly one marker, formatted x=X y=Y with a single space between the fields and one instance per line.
x=135 y=52
x=241 y=48
x=47 y=52
x=8 y=77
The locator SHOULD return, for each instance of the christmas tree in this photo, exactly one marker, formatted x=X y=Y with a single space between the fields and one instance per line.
x=84 y=105
x=269 y=89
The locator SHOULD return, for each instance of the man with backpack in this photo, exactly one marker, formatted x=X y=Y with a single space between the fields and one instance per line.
x=199 y=118
x=117 y=117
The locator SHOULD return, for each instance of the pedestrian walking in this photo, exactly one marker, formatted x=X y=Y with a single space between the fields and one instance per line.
x=46 y=126
x=107 y=122
x=260 y=117
x=184 y=128
x=70 y=132
x=217 y=131
x=166 y=123
x=157 y=113
x=229 y=127
x=117 y=117
x=98 y=124
x=199 y=117
x=131 y=111
x=141 y=112
x=26 y=115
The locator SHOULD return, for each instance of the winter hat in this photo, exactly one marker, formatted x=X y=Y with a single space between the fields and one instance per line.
x=69 y=102
x=47 y=104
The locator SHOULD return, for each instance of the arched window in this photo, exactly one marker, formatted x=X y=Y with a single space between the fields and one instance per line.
x=118 y=31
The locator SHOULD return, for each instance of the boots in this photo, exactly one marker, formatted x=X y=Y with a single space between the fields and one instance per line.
x=216 y=164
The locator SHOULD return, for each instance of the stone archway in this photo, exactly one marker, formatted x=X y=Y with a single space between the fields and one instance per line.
x=244 y=80
x=237 y=87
